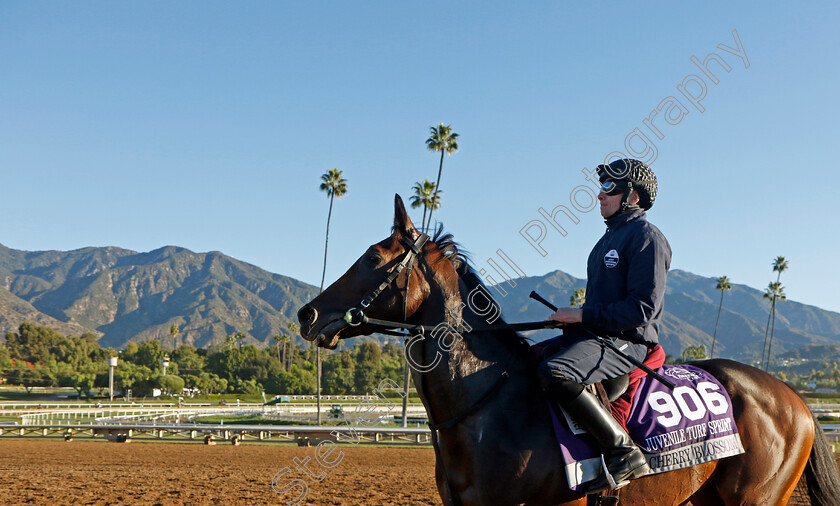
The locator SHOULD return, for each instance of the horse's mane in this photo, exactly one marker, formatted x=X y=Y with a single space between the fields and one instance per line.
x=461 y=261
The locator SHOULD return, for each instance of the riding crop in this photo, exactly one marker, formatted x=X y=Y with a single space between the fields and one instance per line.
x=609 y=344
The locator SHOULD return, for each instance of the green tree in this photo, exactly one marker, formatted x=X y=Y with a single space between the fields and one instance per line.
x=442 y=139
x=33 y=343
x=258 y=365
x=227 y=363
x=694 y=353
x=579 y=298
x=774 y=292
x=85 y=379
x=27 y=375
x=171 y=384
x=127 y=374
x=297 y=381
x=149 y=353
x=338 y=372
x=835 y=373
x=426 y=195
x=245 y=386
x=780 y=265
x=188 y=360
x=723 y=285
x=83 y=383
x=129 y=353
x=368 y=367
x=5 y=358
x=211 y=383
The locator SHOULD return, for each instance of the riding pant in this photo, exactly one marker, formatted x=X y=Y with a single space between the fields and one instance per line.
x=583 y=360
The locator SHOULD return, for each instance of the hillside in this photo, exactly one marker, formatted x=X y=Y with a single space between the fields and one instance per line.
x=129 y=296
x=691 y=307
x=125 y=296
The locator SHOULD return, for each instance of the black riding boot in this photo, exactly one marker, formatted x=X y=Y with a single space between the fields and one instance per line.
x=623 y=459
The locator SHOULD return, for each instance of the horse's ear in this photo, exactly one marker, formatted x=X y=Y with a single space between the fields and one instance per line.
x=402 y=223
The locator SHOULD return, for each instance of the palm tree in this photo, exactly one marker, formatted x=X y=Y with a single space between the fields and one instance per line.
x=286 y=340
x=443 y=139
x=278 y=339
x=579 y=298
x=294 y=328
x=722 y=285
x=779 y=265
x=335 y=186
x=775 y=291
x=230 y=340
x=174 y=331
x=426 y=196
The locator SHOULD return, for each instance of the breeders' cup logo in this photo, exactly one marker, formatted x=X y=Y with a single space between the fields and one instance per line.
x=680 y=373
x=611 y=259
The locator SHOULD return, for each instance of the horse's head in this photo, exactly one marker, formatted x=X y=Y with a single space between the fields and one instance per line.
x=323 y=321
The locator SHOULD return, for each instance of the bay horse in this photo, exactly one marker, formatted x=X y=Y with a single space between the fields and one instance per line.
x=494 y=442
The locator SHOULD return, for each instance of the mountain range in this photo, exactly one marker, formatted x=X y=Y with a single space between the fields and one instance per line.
x=691 y=308
x=124 y=296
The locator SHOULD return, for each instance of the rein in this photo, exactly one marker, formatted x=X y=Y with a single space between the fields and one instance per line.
x=386 y=327
x=356 y=316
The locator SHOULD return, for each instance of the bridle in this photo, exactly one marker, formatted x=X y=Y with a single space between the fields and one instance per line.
x=356 y=316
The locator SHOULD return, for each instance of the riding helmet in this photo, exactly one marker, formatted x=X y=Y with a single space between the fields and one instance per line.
x=637 y=176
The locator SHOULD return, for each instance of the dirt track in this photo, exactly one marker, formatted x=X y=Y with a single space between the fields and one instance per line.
x=99 y=473
x=88 y=472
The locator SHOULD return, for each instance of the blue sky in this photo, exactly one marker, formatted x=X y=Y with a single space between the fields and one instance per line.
x=207 y=125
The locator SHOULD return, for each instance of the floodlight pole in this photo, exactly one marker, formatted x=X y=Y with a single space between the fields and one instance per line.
x=112 y=363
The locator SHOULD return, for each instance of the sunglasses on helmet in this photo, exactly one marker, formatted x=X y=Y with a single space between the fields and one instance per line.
x=611 y=187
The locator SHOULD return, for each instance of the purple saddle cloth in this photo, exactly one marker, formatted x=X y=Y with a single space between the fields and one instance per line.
x=690 y=425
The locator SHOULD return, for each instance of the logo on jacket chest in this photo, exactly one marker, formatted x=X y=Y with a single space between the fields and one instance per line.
x=611 y=259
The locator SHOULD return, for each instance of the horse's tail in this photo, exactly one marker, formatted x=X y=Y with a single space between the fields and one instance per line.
x=821 y=473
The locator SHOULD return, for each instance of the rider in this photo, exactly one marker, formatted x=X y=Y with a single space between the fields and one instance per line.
x=625 y=291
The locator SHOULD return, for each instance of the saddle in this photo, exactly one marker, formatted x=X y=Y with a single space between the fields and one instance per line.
x=617 y=393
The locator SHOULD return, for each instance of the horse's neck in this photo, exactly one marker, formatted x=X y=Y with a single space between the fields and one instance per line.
x=466 y=365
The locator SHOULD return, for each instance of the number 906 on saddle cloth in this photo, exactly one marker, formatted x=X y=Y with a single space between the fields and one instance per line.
x=690 y=425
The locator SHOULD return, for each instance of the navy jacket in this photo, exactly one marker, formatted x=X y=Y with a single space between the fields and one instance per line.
x=626 y=274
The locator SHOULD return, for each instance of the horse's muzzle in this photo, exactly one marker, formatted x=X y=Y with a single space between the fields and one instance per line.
x=307 y=315
x=324 y=333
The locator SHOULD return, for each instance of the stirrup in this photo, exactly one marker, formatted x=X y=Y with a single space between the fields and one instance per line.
x=610 y=480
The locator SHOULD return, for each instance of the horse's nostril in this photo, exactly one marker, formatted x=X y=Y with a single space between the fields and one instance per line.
x=306 y=314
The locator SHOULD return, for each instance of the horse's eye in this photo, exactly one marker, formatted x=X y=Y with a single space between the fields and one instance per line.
x=373 y=259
